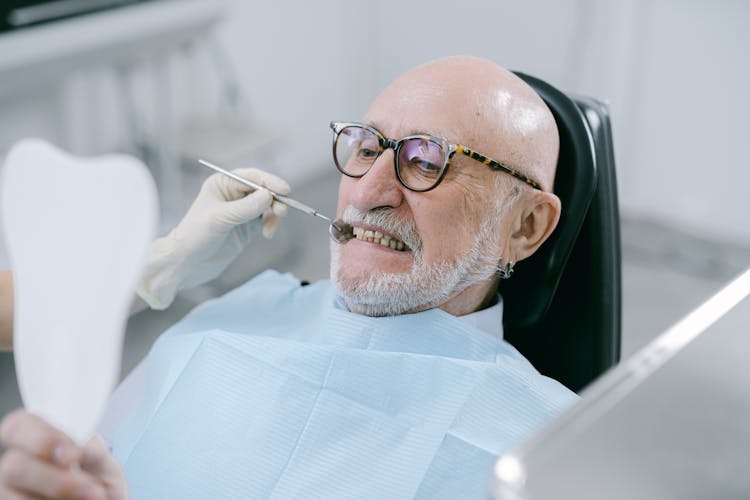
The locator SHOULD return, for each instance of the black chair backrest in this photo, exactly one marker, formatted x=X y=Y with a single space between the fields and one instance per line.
x=562 y=308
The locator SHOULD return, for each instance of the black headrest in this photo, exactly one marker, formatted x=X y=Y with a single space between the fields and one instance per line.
x=529 y=293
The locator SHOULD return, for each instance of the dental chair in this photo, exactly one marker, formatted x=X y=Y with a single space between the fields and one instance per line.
x=562 y=307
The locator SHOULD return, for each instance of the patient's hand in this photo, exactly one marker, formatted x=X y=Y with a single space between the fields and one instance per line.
x=42 y=462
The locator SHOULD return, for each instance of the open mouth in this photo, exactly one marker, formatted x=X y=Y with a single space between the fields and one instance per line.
x=375 y=236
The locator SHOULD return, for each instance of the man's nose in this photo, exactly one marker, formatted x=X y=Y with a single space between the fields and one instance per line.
x=379 y=187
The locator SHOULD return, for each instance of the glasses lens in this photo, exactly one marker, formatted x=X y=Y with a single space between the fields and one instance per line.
x=420 y=163
x=356 y=150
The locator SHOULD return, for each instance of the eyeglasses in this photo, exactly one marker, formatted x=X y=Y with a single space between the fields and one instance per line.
x=421 y=160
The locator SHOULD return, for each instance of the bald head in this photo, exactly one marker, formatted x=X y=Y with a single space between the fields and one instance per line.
x=479 y=104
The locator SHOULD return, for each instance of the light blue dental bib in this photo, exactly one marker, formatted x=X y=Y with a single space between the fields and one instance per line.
x=272 y=391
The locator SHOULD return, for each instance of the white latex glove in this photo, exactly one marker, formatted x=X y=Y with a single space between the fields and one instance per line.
x=220 y=223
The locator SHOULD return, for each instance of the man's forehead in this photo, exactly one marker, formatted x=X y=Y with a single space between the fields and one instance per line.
x=464 y=115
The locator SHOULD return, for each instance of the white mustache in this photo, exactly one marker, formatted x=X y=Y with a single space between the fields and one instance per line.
x=385 y=217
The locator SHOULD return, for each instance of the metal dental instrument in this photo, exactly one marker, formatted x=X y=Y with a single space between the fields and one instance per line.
x=339 y=231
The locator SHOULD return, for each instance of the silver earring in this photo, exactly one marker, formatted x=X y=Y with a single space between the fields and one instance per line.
x=505 y=271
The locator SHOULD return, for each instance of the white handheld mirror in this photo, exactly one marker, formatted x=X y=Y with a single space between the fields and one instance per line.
x=77 y=232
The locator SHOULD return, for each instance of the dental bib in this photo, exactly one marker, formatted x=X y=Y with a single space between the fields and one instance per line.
x=276 y=391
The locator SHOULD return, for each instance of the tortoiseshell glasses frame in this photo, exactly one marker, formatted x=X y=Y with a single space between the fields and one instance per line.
x=437 y=172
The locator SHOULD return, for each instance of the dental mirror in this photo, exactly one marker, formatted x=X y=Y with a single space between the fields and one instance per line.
x=340 y=231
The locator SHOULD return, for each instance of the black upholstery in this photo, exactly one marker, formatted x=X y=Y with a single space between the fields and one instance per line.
x=562 y=305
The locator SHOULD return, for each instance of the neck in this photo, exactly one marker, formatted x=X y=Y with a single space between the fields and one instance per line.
x=472 y=299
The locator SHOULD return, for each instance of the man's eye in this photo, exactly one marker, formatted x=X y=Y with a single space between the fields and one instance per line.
x=367 y=153
x=424 y=167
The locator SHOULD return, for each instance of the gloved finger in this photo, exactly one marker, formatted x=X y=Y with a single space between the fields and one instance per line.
x=265 y=179
x=245 y=209
x=227 y=189
x=270 y=224
x=224 y=188
x=279 y=209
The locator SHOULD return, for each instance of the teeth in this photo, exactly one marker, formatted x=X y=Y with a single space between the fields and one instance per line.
x=379 y=238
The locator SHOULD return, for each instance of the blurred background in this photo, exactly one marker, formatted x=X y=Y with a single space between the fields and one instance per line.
x=256 y=83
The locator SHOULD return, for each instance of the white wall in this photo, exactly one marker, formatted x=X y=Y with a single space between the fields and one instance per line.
x=675 y=73
x=301 y=64
x=686 y=133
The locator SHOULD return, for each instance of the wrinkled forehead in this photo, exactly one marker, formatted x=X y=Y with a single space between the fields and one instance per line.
x=494 y=118
x=422 y=107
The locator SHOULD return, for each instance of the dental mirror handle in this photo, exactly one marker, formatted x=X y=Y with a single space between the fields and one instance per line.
x=278 y=197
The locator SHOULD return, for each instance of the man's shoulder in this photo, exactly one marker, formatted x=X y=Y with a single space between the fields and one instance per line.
x=272 y=278
x=273 y=285
x=257 y=305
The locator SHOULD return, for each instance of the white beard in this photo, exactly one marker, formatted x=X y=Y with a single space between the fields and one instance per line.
x=389 y=294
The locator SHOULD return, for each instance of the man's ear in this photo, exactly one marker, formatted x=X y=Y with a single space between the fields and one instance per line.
x=538 y=217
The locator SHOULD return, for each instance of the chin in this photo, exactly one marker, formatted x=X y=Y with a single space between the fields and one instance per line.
x=373 y=291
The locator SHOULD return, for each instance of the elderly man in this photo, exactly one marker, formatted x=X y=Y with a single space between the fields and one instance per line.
x=390 y=381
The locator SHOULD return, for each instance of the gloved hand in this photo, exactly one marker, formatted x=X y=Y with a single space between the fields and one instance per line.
x=220 y=223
